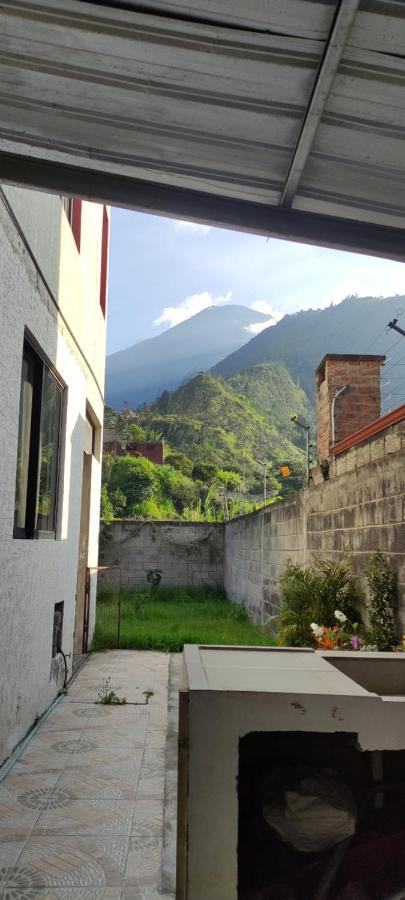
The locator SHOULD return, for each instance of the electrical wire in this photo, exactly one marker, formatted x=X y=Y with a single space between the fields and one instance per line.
x=383 y=331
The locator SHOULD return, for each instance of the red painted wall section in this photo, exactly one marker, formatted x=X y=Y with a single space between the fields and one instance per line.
x=152 y=450
x=76 y=222
x=104 y=261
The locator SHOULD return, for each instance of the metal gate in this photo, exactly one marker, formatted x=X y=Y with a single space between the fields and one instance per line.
x=108 y=606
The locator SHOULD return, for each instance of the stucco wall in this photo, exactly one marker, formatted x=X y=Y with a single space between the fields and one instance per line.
x=359 y=509
x=36 y=574
x=186 y=553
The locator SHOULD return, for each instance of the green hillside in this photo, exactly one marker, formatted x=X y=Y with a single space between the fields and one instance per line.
x=215 y=431
x=228 y=422
x=301 y=340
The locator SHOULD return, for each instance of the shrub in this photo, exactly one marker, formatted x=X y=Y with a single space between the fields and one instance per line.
x=382 y=601
x=312 y=593
x=106 y=507
x=180 y=461
x=135 y=477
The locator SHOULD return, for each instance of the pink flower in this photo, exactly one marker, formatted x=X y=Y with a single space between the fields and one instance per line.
x=355 y=643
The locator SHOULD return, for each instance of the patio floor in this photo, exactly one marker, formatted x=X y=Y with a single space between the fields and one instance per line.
x=81 y=812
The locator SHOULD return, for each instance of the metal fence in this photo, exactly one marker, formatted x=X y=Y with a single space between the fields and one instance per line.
x=108 y=607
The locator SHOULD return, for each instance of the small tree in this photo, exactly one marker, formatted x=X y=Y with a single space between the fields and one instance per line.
x=119 y=501
x=382 y=584
x=135 y=477
x=137 y=433
x=180 y=461
x=106 y=507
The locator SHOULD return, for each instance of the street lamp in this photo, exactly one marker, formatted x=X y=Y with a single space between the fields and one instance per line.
x=305 y=427
x=264 y=467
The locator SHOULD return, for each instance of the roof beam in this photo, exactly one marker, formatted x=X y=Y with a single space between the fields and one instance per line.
x=332 y=55
x=222 y=212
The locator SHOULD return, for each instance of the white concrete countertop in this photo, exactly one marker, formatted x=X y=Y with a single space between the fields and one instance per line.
x=266 y=670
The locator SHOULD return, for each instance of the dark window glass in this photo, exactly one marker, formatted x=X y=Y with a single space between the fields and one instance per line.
x=48 y=452
x=38 y=449
x=24 y=439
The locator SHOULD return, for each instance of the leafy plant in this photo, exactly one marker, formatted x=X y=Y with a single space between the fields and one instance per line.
x=382 y=601
x=106 y=507
x=148 y=695
x=312 y=593
x=108 y=697
x=154 y=578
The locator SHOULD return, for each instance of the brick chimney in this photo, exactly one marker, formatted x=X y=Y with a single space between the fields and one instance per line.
x=348 y=397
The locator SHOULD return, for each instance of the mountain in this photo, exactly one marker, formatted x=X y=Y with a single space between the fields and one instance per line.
x=229 y=422
x=299 y=341
x=141 y=372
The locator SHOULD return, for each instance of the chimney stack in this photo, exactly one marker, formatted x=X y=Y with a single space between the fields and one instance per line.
x=348 y=397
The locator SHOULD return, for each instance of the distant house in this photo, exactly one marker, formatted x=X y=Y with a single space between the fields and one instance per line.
x=129 y=414
x=152 y=450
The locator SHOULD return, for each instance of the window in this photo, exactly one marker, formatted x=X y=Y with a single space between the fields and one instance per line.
x=104 y=261
x=73 y=210
x=38 y=449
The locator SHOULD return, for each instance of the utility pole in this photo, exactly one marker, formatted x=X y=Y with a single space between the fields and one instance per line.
x=396 y=327
x=264 y=467
x=305 y=427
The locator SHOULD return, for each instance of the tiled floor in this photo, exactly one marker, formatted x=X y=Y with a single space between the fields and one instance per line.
x=81 y=812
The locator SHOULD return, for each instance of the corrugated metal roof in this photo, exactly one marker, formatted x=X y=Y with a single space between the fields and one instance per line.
x=288 y=103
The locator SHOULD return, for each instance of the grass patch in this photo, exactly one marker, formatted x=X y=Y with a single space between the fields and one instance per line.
x=168 y=618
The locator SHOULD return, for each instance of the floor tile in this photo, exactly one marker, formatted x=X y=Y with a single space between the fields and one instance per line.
x=145 y=859
x=103 y=783
x=10 y=851
x=68 y=861
x=82 y=817
x=57 y=893
x=81 y=813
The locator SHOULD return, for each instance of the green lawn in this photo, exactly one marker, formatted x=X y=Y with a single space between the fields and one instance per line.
x=171 y=617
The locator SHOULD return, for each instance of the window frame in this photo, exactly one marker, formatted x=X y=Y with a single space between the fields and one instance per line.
x=39 y=364
x=72 y=207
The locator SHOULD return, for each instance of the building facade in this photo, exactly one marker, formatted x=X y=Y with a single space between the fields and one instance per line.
x=53 y=260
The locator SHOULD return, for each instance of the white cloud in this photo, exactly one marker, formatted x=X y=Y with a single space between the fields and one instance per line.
x=263 y=306
x=257 y=327
x=191 y=227
x=193 y=304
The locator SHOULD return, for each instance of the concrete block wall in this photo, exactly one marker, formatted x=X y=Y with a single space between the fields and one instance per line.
x=257 y=548
x=360 y=508
x=187 y=553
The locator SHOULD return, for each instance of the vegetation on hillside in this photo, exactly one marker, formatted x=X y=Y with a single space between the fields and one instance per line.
x=302 y=339
x=217 y=434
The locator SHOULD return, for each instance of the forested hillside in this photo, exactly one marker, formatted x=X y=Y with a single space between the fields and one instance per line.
x=215 y=431
x=141 y=372
x=300 y=341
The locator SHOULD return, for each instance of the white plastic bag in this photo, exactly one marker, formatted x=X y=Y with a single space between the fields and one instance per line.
x=311 y=812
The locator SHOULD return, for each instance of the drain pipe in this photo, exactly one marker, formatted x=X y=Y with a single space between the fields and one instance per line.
x=15 y=755
x=337 y=395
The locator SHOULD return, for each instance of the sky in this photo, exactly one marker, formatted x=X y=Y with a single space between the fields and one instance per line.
x=162 y=271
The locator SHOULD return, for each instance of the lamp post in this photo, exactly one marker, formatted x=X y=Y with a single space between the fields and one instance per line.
x=264 y=467
x=305 y=427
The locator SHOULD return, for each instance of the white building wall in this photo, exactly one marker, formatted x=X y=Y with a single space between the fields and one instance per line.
x=36 y=574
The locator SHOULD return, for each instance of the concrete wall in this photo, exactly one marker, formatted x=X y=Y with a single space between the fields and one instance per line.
x=360 y=508
x=36 y=285
x=257 y=548
x=187 y=553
